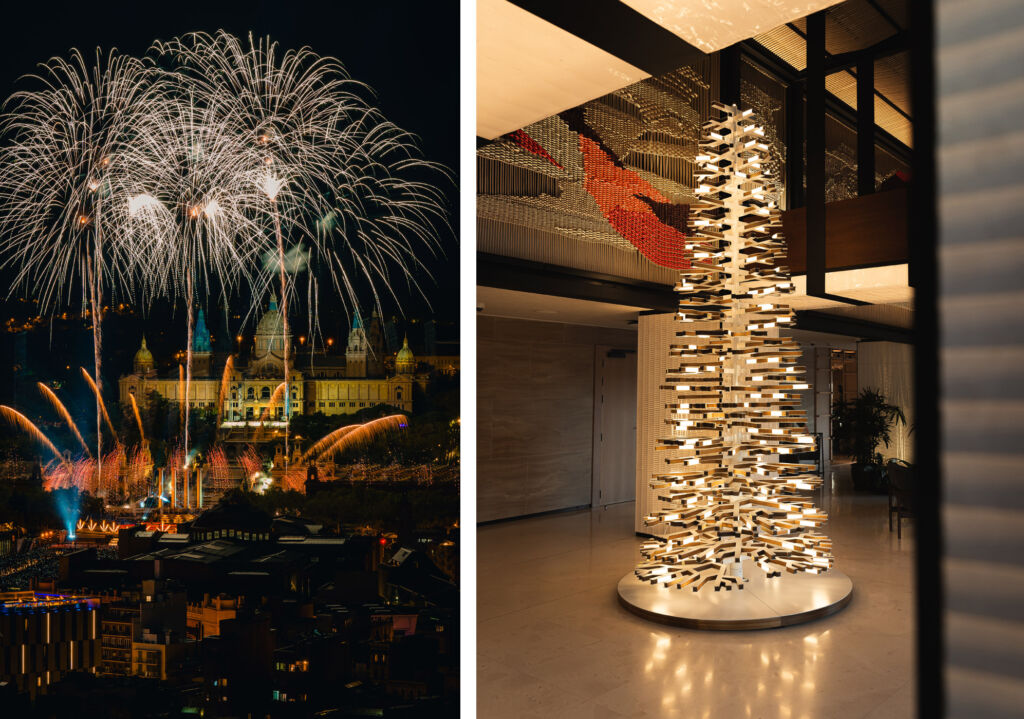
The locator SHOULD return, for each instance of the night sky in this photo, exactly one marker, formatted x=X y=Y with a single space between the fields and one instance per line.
x=407 y=51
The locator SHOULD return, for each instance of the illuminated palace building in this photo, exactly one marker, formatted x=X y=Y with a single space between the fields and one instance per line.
x=320 y=382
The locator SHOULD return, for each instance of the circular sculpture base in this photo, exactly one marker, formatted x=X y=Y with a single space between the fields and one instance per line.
x=762 y=603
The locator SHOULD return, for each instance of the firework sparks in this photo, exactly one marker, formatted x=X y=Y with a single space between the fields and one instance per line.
x=355 y=436
x=275 y=399
x=327 y=440
x=17 y=419
x=195 y=210
x=181 y=394
x=61 y=176
x=251 y=462
x=99 y=399
x=218 y=470
x=322 y=151
x=225 y=380
x=65 y=415
x=138 y=417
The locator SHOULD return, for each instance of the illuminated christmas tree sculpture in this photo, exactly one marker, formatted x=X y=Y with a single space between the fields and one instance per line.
x=727 y=491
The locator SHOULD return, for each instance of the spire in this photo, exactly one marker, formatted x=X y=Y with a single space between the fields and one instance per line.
x=144 y=342
x=273 y=301
x=357 y=321
x=201 y=339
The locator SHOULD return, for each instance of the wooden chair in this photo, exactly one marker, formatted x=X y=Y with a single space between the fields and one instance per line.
x=902 y=491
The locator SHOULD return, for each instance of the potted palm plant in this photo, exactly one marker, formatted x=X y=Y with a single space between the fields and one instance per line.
x=858 y=427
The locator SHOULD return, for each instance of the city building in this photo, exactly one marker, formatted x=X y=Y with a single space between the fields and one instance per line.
x=45 y=636
x=116 y=629
x=157 y=655
x=142 y=627
x=319 y=381
x=204 y=616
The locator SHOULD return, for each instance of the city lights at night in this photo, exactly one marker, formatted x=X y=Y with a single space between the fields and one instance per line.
x=228 y=517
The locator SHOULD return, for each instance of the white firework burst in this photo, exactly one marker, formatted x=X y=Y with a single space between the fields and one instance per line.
x=62 y=172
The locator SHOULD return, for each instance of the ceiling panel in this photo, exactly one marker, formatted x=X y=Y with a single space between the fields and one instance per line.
x=854 y=25
x=785 y=42
x=891 y=79
x=893 y=122
x=495 y=302
x=710 y=25
x=529 y=69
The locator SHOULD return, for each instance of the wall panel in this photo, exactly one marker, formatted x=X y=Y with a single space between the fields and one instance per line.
x=535 y=414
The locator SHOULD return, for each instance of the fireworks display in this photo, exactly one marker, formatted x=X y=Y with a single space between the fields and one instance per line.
x=328 y=169
x=65 y=415
x=356 y=436
x=99 y=400
x=225 y=380
x=138 y=417
x=212 y=167
x=61 y=175
x=17 y=419
x=275 y=399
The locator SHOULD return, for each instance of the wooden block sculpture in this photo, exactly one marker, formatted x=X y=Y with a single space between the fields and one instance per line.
x=727 y=492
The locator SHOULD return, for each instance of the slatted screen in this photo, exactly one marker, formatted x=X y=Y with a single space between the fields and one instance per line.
x=656 y=332
x=980 y=56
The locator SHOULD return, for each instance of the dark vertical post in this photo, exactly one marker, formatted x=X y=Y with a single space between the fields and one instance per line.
x=729 y=75
x=865 y=126
x=795 y=137
x=816 y=154
x=927 y=408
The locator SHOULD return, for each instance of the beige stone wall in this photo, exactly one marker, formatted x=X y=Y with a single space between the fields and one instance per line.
x=535 y=414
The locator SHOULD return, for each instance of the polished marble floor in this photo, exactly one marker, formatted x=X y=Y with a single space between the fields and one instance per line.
x=553 y=641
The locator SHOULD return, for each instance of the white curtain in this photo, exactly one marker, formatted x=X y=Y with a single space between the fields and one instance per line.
x=888 y=367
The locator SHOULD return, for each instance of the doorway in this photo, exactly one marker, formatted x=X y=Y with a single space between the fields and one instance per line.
x=614 y=456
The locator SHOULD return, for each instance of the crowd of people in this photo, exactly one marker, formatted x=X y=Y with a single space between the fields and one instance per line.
x=20 y=570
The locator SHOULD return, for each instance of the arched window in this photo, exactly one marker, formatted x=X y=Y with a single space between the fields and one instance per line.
x=265 y=393
x=234 y=395
x=251 y=394
x=398 y=393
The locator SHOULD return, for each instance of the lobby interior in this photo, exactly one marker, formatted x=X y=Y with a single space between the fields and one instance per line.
x=887 y=99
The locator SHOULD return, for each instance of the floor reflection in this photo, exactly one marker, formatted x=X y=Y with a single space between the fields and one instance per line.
x=553 y=641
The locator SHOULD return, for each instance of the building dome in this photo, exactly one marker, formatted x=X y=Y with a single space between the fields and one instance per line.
x=405 y=362
x=143 y=361
x=270 y=322
x=268 y=332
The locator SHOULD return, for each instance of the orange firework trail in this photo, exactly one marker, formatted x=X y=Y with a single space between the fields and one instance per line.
x=274 y=399
x=138 y=417
x=63 y=412
x=181 y=392
x=224 y=387
x=359 y=434
x=99 y=398
x=329 y=439
x=22 y=422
